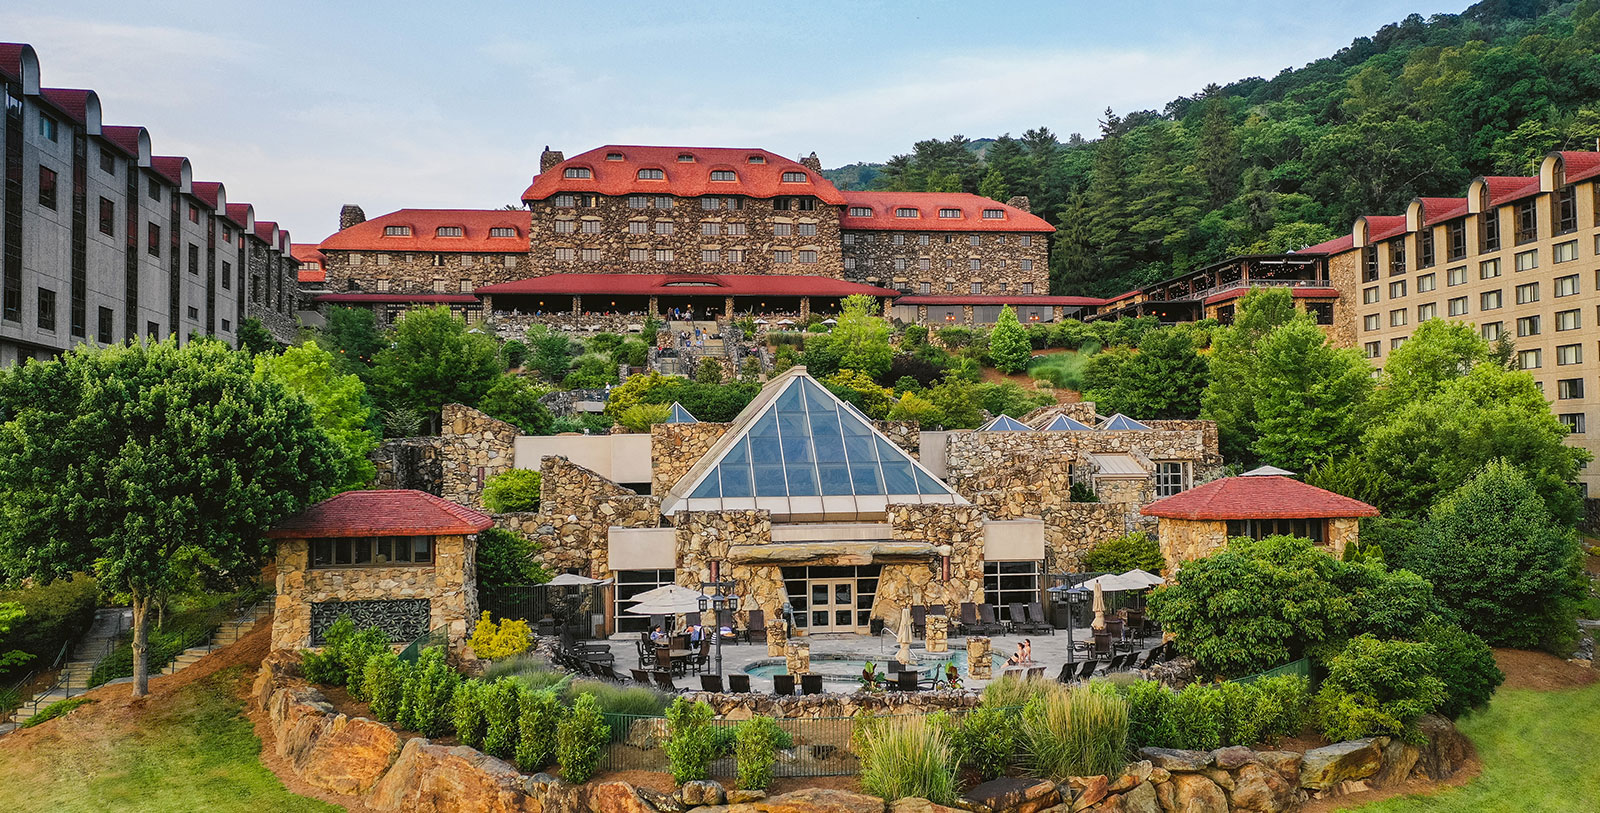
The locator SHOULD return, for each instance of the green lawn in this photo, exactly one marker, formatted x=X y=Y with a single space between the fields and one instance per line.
x=190 y=752
x=1063 y=370
x=1539 y=754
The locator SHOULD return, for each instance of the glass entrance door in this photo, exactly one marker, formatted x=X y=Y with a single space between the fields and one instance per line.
x=833 y=606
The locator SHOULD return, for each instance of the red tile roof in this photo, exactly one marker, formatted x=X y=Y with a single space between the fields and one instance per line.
x=1438 y=210
x=928 y=204
x=11 y=54
x=170 y=167
x=1298 y=293
x=265 y=230
x=391 y=512
x=308 y=253
x=425 y=223
x=1257 y=497
x=1122 y=296
x=379 y=299
x=685 y=285
x=72 y=101
x=1380 y=227
x=1506 y=188
x=1001 y=299
x=126 y=138
x=1335 y=246
x=1579 y=166
x=206 y=191
x=683 y=178
x=239 y=213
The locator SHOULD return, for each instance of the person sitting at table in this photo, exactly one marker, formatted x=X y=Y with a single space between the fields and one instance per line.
x=658 y=636
x=695 y=632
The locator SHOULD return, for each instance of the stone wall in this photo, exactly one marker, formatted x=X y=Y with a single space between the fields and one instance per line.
x=823 y=706
x=415 y=272
x=676 y=447
x=905 y=434
x=1185 y=540
x=1342 y=533
x=1344 y=274
x=448 y=584
x=611 y=236
x=272 y=287
x=562 y=403
x=1071 y=529
x=409 y=463
x=903 y=584
x=576 y=510
x=1080 y=411
x=703 y=537
x=473 y=448
x=895 y=259
x=971 y=455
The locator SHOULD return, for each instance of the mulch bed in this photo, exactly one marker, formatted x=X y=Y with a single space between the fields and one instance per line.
x=1541 y=671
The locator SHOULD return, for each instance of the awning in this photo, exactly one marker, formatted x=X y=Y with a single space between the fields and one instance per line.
x=835 y=553
x=1118 y=465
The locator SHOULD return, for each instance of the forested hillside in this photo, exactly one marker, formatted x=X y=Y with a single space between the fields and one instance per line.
x=1419 y=108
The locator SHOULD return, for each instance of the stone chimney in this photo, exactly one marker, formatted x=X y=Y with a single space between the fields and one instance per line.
x=811 y=162
x=1019 y=202
x=549 y=158
x=349 y=215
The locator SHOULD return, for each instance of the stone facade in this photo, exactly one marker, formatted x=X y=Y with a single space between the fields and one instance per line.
x=577 y=508
x=1185 y=540
x=940 y=263
x=705 y=537
x=1071 y=529
x=676 y=447
x=409 y=463
x=473 y=448
x=679 y=226
x=448 y=584
x=272 y=287
x=414 y=272
x=971 y=456
x=900 y=585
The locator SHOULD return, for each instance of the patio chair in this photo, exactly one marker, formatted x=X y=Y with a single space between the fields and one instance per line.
x=644 y=649
x=969 y=618
x=1086 y=669
x=665 y=663
x=640 y=676
x=1100 y=646
x=756 y=627
x=1069 y=672
x=1019 y=618
x=725 y=620
x=919 y=620
x=700 y=660
x=739 y=683
x=783 y=685
x=906 y=681
x=711 y=683
x=1135 y=619
x=1149 y=658
x=1039 y=620
x=614 y=676
x=1115 y=629
x=663 y=681
x=811 y=683
x=987 y=625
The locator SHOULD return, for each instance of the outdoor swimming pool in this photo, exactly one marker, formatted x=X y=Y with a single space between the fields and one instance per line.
x=841 y=671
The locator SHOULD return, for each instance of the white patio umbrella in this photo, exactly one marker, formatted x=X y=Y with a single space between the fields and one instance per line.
x=1138 y=575
x=1099 y=624
x=571 y=580
x=902 y=636
x=830 y=321
x=761 y=321
x=666 y=606
x=668 y=591
x=1112 y=583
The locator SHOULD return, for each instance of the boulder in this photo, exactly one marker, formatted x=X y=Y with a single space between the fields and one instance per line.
x=611 y=797
x=1446 y=751
x=1329 y=765
x=1012 y=795
x=648 y=733
x=744 y=797
x=700 y=792
x=1259 y=788
x=1286 y=763
x=1193 y=793
x=1233 y=757
x=430 y=778
x=351 y=755
x=1176 y=761
x=1091 y=789
x=1223 y=779
x=663 y=802
x=819 y=800
x=1399 y=757
x=1142 y=799
x=915 y=805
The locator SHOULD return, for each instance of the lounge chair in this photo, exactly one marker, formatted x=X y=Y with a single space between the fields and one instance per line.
x=739 y=683
x=1034 y=673
x=702 y=659
x=919 y=620
x=1086 y=669
x=1039 y=620
x=969 y=618
x=663 y=681
x=811 y=683
x=1149 y=658
x=756 y=629
x=1018 y=622
x=711 y=683
x=1069 y=671
x=783 y=685
x=987 y=625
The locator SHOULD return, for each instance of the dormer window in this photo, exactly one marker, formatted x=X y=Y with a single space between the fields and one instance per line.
x=652 y=174
x=502 y=231
x=906 y=211
x=861 y=211
x=396 y=231
x=685 y=158
x=949 y=213
x=576 y=172
x=794 y=177
x=757 y=159
x=448 y=231
x=613 y=156
x=723 y=175
x=994 y=214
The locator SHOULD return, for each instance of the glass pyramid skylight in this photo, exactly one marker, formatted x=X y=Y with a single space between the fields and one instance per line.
x=1121 y=422
x=679 y=415
x=800 y=451
x=1005 y=423
x=1062 y=423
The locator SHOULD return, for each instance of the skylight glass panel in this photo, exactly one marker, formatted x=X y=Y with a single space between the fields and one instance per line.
x=1062 y=423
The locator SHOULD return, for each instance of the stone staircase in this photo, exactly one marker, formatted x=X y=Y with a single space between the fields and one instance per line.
x=227 y=634
x=74 y=679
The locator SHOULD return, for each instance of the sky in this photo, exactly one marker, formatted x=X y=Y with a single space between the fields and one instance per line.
x=299 y=107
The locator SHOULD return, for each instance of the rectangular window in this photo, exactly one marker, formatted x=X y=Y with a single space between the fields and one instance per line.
x=1574 y=422
x=502 y=231
x=1426 y=283
x=723 y=175
x=589 y=255
x=103 y=329
x=806 y=229
x=1569 y=354
x=638 y=227
x=1489 y=300
x=1370 y=322
x=663 y=227
x=924 y=263
x=1457 y=306
x=925 y=288
x=710 y=229
x=1566 y=205
x=1564 y=252
x=1171 y=477
x=1397 y=317
x=922 y=239
x=1528 y=326
x=783 y=257
x=1529 y=359
x=974 y=240
x=735 y=229
x=898 y=239
x=1397 y=257
x=466 y=286
x=638 y=255
x=663 y=201
x=194 y=313
x=1397 y=289
x=1456 y=276
x=1567 y=286
x=393 y=231
x=227 y=275
x=1491 y=330
x=1527 y=260
x=565 y=226
x=710 y=255
x=589 y=226
x=1025 y=265
x=565 y=201
x=1394 y=344
x=1488 y=269
x=735 y=255
x=1568 y=320
x=577 y=172
x=1489 y=230
x=794 y=177
x=108 y=216
x=1569 y=388
x=448 y=231
x=47 y=309
x=383 y=285
x=638 y=202
x=860 y=211
x=440 y=286
x=1027 y=289
x=152 y=244
x=1428 y=311
x=806 y=256
x=784 y=230
x=949 y=214
x=906 y=211
x=663 y=255
x=1027 y=239
x=1373 y=349
x=899 y=263
x=1369 y=295
x=563 y=255
x=848 y=239
x=1456 y=231
x=1369 y=256
x=977 y=287
x=1527 y=293
x=381 y=551
x=974 y=264
x=48 y=127
x=47 y=187
x=1527 y=217
x=194 y=259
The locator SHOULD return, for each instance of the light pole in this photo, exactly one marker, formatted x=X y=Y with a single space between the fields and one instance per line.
x=716 y=603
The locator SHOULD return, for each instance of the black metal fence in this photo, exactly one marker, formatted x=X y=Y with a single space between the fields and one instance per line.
x=547 y=609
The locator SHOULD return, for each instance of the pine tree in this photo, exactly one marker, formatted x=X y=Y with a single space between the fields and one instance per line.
x=1009 y=344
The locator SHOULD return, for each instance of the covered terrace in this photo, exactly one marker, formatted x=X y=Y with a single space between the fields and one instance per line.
x=705 y=296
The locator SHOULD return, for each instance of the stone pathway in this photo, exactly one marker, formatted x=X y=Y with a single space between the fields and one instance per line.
x=225 y=635
x=74 y=680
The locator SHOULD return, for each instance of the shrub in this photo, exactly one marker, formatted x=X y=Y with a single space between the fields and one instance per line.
x=708 y=371
x=1282 y=702
x=512 y=490
x=691 y=744
x=1465 y=664
x=1392 y=604
x=502 y=712
x=52 y=614
x=507 y=557
x=907 y=758
x=383 y=680
x=1241 y=720
x=532 y=670
x=358 y=649
x=1010 y=691
x=1378 y=688
x=755 y=750
x=985 y=741
x=514 y=352
x=1148 y=702
x=510 y=637
x=467 y=708
x=327 y=667
x=57 y=709
x=1194 y=719
x=1125 y=553
x=1082 y=492
x=425 y=698
x=640 y=417
x=640 y=701
x=581 y=737
x=1075 y=731
x=537 y=727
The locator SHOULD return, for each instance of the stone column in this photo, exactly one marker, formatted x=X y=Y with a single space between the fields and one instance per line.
x=966 y=314
x=979 y=664
x=577 y=305
x=777 y=639
x=727 y=307
x=805 y=308
x=1057 y=312
x=797 y=659
x=938 y=634
x=922 y=314
x=654 y=308
x=488 y=303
